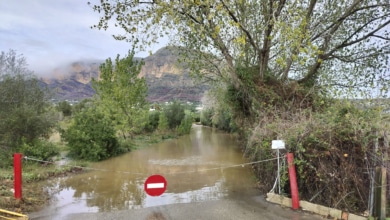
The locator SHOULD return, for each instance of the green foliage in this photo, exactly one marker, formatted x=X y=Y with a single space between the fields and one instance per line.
x=223 y=120
x=206 y=117
x=288 y=43
x=24 y=112
x=196 y=116
x=322 y=142
x=185 y=124
x=82 y=105
x=121 y=93
x=174 y=113
x=6 y=160
x=39 y=149
x=65 y=108
x=153 y=121
x=91 y=136
x=163 y=124
x=274 y=68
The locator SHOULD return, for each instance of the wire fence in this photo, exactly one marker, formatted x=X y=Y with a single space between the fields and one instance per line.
x=137 y=173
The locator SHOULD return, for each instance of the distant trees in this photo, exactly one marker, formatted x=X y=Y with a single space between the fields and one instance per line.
x=24 y=112
x=105 y=125
x=176 y=116
x=174 y=113
x=65 y=108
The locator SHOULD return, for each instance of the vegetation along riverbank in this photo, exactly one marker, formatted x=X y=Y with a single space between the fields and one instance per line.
x=312 y=73
x=64 y=137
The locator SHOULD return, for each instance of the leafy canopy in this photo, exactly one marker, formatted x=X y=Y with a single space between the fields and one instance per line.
x=24 y=113
x=342 y=44
x=122 y=94
x=91 y=135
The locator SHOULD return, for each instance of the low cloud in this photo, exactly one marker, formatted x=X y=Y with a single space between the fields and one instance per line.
x=55 y=33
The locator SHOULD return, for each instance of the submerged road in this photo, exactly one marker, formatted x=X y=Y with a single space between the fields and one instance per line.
x=258 y=209
x=206 y=179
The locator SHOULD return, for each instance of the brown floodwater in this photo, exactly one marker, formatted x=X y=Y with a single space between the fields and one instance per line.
x=194 y=165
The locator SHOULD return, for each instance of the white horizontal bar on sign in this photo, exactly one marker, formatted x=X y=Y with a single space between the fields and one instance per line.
x=154 y=185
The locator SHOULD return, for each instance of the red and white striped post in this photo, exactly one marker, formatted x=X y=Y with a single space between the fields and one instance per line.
x=293 y=181
x=18 y=175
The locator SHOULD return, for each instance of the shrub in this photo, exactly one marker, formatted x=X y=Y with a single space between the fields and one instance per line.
x=332 y=149
x=39 y=149
x=206 y=117
x=65 y=108
x=223 y=120
x=5 y=157
x=153 y=121
x=186 y=124
x=174 y=113
x=162 y=122
x=91 y=136
x=196 y=116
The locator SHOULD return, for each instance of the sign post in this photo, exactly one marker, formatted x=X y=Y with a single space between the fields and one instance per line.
x=155 y=185
x=277 y=145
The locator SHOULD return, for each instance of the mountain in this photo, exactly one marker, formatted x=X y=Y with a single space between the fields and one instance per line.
x=166 y=79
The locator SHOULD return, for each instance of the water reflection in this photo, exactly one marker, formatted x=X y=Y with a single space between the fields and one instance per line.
x=191 y=165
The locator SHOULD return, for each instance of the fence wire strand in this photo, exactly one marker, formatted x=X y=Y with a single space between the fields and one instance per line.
x=170 y=173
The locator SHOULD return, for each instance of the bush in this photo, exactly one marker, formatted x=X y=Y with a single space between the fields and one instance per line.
x=223 y=120
x=65 y=108
x=5 y=157
x=332 y=150
x=162 y=122
x=206 y=117
x=91 y=136
x=39 y=149
x=186 y=124
x=153 y=121
x=196 y=116
x=174 y=113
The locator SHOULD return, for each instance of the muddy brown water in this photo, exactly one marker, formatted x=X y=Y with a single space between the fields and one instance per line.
x=194 y=166
x=206 y=179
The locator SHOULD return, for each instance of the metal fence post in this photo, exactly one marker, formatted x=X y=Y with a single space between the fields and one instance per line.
x=293 y=181
x=18 y=175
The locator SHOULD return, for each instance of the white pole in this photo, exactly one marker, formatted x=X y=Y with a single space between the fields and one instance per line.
x=278 y=173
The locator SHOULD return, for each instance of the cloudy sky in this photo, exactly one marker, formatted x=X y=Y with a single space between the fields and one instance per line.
x=52 y=33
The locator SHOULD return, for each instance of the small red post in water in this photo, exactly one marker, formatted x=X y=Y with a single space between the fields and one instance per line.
x=18 y=175
x=293 y=181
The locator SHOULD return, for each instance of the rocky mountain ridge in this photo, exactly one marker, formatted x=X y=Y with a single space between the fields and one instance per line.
x=166 y=79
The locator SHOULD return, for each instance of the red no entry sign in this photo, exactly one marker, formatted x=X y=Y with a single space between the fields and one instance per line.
x=155 y=185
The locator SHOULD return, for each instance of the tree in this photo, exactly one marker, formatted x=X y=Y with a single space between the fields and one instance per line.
x=123 y=94
x=274 y=60
x=186 y=123
x=342 y=44
x=174 y=112
x=24 y=113
x=163 y=124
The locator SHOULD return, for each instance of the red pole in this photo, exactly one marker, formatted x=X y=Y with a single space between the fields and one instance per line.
x=293 y=181
x=18 y=175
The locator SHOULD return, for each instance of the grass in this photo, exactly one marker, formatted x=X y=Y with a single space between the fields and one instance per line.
x=145 y=140
x=34 y=173
x=34 y=197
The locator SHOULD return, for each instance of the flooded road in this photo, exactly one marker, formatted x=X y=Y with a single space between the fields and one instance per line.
x=199 y=169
